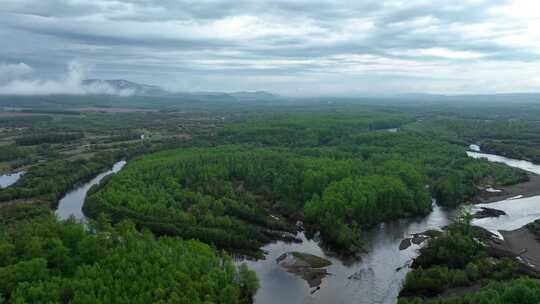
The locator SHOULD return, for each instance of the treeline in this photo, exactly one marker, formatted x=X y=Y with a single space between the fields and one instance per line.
x=516 y=291
x=24 y=121
x=457 y=260
x=43 y=260
x=47 y=111
x=225 y=195
x=397 y=190
x=514 y=138
x=309 y=130
x=123 y=136
x=453 y=176
x=10 y=152
x=47 y=138
x=49 y=181
x=349 y=178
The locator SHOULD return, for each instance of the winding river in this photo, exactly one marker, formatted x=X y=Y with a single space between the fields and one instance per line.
x=377 y=277
x=71 y=204
x=7 y=180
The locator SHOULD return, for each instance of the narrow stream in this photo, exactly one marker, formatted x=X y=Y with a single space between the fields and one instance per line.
x=71 y=204
x=378 y=276
x=7 y=180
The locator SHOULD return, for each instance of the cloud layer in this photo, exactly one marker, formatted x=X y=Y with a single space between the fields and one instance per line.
x=301 y=47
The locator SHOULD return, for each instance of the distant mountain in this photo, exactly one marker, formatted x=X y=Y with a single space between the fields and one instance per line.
x=129 y=88
x=123 y=87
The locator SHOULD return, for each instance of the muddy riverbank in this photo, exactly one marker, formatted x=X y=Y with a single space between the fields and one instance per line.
x=522 y=190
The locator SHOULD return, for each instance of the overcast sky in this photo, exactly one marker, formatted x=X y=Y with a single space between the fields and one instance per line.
x=304 y=47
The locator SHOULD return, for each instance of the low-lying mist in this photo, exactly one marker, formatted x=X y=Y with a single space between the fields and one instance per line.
x=20 y=79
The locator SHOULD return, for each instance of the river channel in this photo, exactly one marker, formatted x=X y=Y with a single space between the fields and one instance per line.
x=378 y=276
x=7 y=180
x=374 y=278
x=71 y=204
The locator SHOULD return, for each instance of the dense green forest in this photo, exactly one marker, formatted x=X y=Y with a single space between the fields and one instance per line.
x=245 y=173
x=339 y=173
x=516 y=291
x=514 y=138
x=309 y=129
x=457 y=260
x=207 y=193
x=47 y=182
x=11 y=152
x=43 y=260
x=452 y=175
x=36 y=139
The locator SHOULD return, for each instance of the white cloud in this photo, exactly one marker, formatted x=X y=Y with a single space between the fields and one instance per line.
x=71 y=83
x=450 y=54
x=224 y=45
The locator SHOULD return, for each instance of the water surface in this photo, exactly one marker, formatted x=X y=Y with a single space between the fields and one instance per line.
x=71 y=204
x=519 y=211
x=375 y=278
x=516 y=163
x=7 y=180
x=379 y=275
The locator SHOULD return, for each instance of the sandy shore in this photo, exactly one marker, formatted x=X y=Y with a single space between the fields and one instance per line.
x=520 y=243
x=526 y=189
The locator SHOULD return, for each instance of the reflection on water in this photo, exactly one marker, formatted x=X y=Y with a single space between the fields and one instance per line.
x=71 y=204
x=521 y=164
x=7 y=180
x=377 y=277
x=519 y=212
x=380 y=272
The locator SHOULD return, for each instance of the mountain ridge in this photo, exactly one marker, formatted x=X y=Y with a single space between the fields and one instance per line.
x=126 y=87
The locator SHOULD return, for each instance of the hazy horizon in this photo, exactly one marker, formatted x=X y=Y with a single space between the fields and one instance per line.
x=291 y=48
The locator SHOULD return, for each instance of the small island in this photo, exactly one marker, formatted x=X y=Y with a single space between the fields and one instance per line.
x=308 y=266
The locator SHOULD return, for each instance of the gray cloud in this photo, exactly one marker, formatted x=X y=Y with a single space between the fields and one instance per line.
x=286 y=46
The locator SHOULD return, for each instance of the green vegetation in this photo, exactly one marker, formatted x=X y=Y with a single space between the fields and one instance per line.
x=514 y=138
x=245 y=173
x=47 y=182
x=534 y=227
x=516 y=291
x=312 y=260
x=367 y=200
x=456 y=260
x=49 y=138
x=453 y=176
x=309 y=130
x=43 y=260
x=8 y=153
x=339 y=173
x=219 y=195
